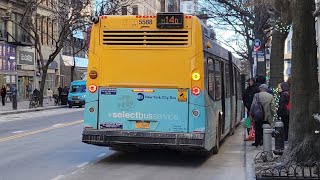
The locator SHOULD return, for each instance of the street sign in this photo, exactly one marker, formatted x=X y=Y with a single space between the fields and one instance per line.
x=260 y=54
x=257 y=44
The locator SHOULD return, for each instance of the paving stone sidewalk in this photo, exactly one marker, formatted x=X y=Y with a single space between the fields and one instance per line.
x=23 y=106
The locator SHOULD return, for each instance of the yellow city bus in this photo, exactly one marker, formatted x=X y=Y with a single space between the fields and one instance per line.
x=159 y=82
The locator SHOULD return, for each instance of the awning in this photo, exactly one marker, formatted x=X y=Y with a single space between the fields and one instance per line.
x=80 y=62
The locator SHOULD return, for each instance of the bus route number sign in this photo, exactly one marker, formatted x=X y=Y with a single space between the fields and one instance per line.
x=170 y=20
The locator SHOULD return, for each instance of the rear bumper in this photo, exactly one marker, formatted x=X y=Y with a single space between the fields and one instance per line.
x=152 y=139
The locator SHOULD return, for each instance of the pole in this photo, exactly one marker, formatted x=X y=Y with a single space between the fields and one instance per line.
x=257 y=62
x=267 y=140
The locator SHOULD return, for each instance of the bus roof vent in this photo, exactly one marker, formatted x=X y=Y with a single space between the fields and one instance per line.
x=146 y=38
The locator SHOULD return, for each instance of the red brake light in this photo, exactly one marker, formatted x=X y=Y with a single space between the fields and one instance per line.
x=196 y=91
x=92 y=88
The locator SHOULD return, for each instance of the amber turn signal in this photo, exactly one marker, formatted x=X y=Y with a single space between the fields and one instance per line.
x=93 y=74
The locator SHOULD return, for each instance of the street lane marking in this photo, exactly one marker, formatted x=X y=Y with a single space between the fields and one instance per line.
x=82 y=165
x=57 y=125
x=38 y=131
x=101 y=155
x=17 y=132
x=58 y=177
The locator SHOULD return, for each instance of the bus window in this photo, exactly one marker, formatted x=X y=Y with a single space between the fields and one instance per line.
x=217 y=78
x=227 y=80
x=239 y=85
x=211 y=78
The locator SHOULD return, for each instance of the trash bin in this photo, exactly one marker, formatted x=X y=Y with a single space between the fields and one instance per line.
x=64 y=99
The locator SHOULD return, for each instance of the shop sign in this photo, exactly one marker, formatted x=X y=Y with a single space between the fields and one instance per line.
x=26 y=58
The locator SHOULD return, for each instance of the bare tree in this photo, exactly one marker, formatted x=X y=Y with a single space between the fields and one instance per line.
x=114 y=7
x=68 y=16
x=304 y=144
x=78 y=46
x=246 y=20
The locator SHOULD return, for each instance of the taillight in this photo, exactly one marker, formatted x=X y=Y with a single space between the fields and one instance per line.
x=92 y=88
x=196 y=91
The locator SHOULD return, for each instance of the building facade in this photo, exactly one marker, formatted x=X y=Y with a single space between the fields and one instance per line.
x=17 y=55
x=189 y=6
x=127 y=7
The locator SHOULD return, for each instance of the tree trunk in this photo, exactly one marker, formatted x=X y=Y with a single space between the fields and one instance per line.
x=42 y=83
x=72 y=72
x=277 y=58
x=304 y=144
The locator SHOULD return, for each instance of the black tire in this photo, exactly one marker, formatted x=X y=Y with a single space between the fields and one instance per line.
x=80 y=106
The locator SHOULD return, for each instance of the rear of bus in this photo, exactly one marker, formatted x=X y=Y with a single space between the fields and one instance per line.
x=145 y=82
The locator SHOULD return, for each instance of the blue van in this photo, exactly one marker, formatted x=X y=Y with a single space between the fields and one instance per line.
x=77 y=93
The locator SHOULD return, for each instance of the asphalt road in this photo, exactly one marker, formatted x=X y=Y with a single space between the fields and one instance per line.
x=48 y=145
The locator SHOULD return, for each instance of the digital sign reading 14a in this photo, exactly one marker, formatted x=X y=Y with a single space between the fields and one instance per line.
x=170 y=20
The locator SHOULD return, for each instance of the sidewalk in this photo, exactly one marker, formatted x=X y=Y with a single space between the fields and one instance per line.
x=23 y=106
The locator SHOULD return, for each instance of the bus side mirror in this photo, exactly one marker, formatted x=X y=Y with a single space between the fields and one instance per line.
x=95 y=19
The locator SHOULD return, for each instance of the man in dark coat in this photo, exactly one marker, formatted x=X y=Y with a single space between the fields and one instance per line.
x=248 y=94
x=59 y=93
x=3 y=94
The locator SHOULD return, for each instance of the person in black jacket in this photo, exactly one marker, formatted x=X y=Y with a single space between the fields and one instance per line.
x=284 y=107
x=3 y=94
x=248 y=94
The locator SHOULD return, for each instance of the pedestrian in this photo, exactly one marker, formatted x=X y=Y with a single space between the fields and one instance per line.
x=59 y=93
x=261 y=80
x=267 y=102
x=65 y=90
x=49 y=95
x=3 y=94
x=247 y=96
x=284 y=107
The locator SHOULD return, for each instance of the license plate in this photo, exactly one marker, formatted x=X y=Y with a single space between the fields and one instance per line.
x=76 y=101
x=142 y=125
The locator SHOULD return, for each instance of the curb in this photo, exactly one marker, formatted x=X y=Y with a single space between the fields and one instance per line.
x=31 y=110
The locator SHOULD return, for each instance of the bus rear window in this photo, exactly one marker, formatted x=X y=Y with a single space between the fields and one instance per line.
x=78 y=88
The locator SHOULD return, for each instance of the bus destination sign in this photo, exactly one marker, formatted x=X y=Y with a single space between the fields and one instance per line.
x=170 y=20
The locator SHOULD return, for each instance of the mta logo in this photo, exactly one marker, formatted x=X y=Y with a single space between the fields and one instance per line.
x=140 y=97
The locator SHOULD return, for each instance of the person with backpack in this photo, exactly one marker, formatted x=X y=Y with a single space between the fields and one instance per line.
x=284 y=107
x=259 y=81
x=262 y=111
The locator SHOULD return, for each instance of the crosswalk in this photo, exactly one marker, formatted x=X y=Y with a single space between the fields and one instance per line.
x=36 y=114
